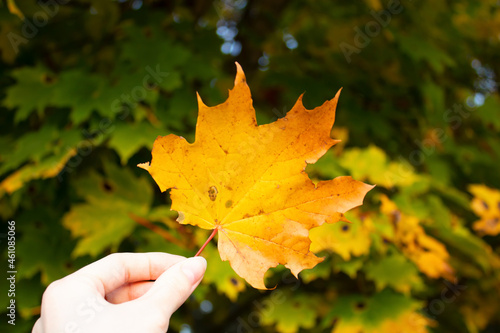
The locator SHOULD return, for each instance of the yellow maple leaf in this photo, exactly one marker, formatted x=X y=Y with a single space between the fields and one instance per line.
x=426 y=252
x=247 y=182
x=486 y=204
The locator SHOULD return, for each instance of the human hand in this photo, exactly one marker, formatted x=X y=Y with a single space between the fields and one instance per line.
x=116 y=294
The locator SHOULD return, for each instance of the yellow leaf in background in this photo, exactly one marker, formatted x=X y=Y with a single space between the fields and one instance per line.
x=427 y=253
x=247 y=182
x=486 y=204
x=374 y=4
x=345 y=239
x=480 y=307
x=47 y=168
x=373 y=165
x=408 y=322
x=12 y=6
x=388 y=207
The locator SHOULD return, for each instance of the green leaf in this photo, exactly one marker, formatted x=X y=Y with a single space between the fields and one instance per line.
x=82 y=92
x=49 y=167
x=30 y=147
x=434 y=102
x=372 y=164
x=43 y=235
x=147 y=241
x=368 y=313
x=289 y=311
x=350 y=267
x=395 y=271
x=320 y=271
x=128 y=138
x=489 y=112
x=220 y=274
x=420 y=49
x=151 y=48
x=469 y=249
x=104 y=220
x=36 y=82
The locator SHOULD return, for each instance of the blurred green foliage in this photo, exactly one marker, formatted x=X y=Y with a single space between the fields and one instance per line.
x=87 y=85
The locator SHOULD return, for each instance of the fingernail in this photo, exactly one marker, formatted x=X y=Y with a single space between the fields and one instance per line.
x=194 y=268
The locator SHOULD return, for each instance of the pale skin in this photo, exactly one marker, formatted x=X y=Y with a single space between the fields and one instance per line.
x=123 y=292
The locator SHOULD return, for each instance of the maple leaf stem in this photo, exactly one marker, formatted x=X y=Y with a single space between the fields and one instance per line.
x=206 y=243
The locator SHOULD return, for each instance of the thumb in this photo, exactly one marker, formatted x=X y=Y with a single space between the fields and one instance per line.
x=175 y=285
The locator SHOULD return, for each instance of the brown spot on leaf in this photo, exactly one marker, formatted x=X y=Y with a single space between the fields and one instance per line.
x=48 y=78
x=212 y=193
x=107 y=186
x=360 y=305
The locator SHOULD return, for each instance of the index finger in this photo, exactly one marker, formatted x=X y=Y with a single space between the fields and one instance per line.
x=118 y=269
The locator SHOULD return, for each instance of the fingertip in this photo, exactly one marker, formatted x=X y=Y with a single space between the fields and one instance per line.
x=194 y=268
x=37 y=327
x=174 y=286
